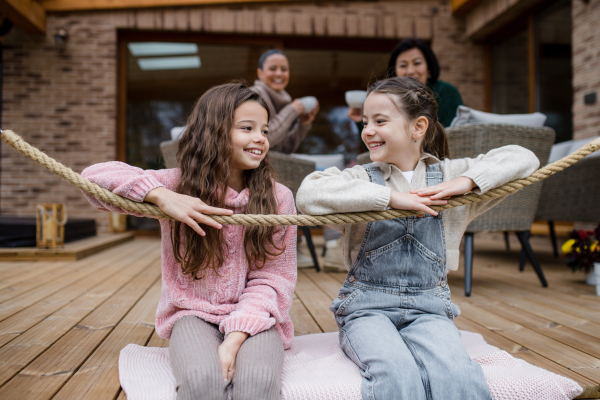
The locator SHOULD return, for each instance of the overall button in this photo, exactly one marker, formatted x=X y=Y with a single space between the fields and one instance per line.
x=351 y=279
x=443 y=283
x=342 y=296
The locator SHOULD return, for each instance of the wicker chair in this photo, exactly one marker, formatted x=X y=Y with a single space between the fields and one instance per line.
x=580 y=182
x=516 y=212
x=289 y=171
x=363 y=158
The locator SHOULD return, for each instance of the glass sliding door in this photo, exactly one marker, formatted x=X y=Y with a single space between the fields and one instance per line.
x=532 y=71
x=554 y=90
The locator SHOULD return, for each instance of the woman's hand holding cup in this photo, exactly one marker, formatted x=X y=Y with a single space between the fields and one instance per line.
x=355 y=100
x=308 y=117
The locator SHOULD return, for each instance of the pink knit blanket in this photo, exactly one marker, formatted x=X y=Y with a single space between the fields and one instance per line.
x=315 y=368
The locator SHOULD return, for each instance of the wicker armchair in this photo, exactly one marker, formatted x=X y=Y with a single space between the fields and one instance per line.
x=363 y=158
x=516 y=212
x=580 y=182
x=289 y=171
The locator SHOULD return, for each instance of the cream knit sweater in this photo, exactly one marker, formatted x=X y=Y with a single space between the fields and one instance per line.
x=350 y=190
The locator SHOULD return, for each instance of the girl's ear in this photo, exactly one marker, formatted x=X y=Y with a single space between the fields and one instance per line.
x=259 y=73
x=419 y=126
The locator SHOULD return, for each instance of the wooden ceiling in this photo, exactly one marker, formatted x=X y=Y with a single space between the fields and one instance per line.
x=30 y=15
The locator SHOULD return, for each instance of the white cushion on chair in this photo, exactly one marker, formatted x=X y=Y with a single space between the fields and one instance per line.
x=323 y=161
x=563 y=149
x=466 y=115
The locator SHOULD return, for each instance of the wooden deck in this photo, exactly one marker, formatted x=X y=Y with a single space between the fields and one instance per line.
x=62 y=324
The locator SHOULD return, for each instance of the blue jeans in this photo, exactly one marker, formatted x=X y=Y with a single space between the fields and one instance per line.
x=395 y=315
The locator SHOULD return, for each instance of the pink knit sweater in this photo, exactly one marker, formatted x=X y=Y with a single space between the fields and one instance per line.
x=238 y=299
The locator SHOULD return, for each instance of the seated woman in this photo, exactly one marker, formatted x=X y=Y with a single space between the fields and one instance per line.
x=413 y=57
x=290 y=121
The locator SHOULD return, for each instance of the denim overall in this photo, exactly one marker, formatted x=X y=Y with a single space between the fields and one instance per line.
x=395 y=315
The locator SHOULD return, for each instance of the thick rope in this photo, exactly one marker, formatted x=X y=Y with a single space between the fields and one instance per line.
x=107 y=196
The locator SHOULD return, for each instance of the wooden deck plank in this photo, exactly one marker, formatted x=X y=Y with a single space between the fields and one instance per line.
x=29 y=280
x=42 y=377
x=157 y=341
x=327 y=283
x=98 y=377
x=570 y=304
x=34 y=326
x=542 y=312
x=316 y=302
x=304 y=323
x=564 y=355
x=79 y=270
x=33 y=280
x=57 y=324
x=8 y=269
x=70 y=252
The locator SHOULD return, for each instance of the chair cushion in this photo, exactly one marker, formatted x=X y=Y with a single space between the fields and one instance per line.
x=466 y=115
x=323 y=161
x=563 y=149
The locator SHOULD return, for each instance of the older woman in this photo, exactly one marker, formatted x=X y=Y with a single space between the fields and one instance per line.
x=290 y=121
x=414 y=58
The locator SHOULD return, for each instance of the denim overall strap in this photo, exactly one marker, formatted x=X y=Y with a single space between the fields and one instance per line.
x=434 y=175
x=403 y=252
x=374 y=173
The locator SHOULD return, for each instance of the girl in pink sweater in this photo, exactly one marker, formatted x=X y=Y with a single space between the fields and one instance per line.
x=226 y=290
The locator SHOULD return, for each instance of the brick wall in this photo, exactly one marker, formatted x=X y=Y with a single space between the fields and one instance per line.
x=586 y=65
x=66 y=104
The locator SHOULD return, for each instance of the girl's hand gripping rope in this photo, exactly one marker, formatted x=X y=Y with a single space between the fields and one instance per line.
x=408 y=201
x=227 y=352
x=187 y=209
x=446 y=190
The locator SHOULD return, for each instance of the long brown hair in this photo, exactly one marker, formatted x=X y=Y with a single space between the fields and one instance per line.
x=204 y=156
x=415 y=100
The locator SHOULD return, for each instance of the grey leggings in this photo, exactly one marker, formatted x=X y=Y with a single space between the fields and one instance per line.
x=197 y=370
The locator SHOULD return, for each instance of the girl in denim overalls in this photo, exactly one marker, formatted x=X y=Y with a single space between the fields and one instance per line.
x=394 y=310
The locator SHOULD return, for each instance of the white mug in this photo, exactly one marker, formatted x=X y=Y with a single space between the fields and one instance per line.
x=356 y=98
x=309 y=103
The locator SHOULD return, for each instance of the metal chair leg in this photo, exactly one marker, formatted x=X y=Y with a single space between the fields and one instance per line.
x=522 y=260
x=524 y=239
x=506 y=241
x=553 y=238
x=311 y=247
x=468 y=262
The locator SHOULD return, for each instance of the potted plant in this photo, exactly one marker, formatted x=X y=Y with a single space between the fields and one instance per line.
x=582 y=252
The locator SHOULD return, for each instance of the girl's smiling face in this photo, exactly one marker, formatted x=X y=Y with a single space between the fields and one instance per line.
x=275 y=72
x=388 y=135
x=249 y=137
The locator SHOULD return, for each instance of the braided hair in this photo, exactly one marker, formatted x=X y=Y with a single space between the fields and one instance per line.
x=415 y=100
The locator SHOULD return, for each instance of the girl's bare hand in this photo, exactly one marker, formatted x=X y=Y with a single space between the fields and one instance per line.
x=227 y=353
x=408 y=201
x=445 y=190
x=187 y=209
